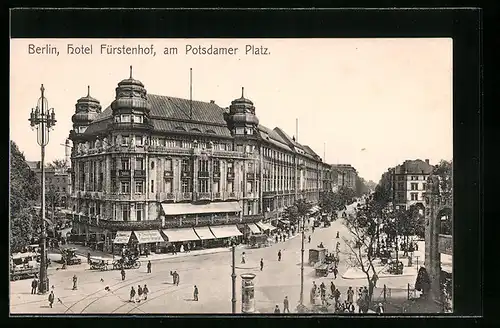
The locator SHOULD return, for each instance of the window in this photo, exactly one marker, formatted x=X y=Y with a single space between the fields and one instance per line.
x=138 y=141
x=125 y=163
x=139 y=187
x=139 y=211
x=185 y=185
x=249 y=187
x=239 y=148
x=185 y=165
x=401 y=178
x=250 y=167
x=139 y=163
x=152 y=185
x=230 y=186
x=414 y=178
x=168 y=186
x=125 y=140
x=168 y=164
x=117 y=119
x=216 y=165
x=138 y=119
x=125 y=118
x=64 y=189
x=203 y=165
x=239 y=131
x=113 y=186
x=125 y=187
x=423 y=186
x=216 y=186
x=414 y=196
x=113 y=163
x=125 y=212
x=249 y=208
x=152 y=165
x=230 y=167
x=203 y=185
x=414 y=186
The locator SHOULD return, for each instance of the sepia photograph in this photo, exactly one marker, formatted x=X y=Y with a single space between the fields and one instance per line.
x=231 y=176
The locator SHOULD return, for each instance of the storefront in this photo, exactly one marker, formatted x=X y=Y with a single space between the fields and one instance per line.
x=148 y=241
x=180 y=236
x=122 y=239
x=265 y=227
x=224 y=234
x=206 y=237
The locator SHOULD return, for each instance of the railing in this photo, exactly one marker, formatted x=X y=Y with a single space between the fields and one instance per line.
x=170 y=150
x=127 y=225
x=251 y=195
x=184 y=196
x=204 y=196
x=216 y=175
x=251 y=176
x=139 y=174
x=130 y=125
x=185 y=174
x=168 y=174
x=162 y=196
x=216 y=195
x=231 y=195
x=269 y=193
x=118 y=196
x=124 y=173
x=252 y=218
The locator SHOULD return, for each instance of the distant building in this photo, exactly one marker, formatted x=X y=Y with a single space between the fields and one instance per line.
x=54 y=178
x=410 y=180
x=344 y=175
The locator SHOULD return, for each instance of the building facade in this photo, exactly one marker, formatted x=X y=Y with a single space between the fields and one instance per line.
x=344 y=175
x=151 y=162
x=56 y=179
x=409 y=183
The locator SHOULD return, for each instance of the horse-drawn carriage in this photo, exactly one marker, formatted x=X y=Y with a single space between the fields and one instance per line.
x=69 y=257
x=24 y=266
x=258 y=240
x=127 y=262
x=98 y=263
x=322 y=261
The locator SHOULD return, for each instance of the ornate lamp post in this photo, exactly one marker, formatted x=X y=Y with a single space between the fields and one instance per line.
x=43 y=120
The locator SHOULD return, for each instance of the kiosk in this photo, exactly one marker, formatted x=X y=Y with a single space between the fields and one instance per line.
x=247 y=293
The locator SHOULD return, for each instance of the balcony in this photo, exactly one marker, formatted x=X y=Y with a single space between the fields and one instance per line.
x=184 y=196
x=130 y=125
x=185 y=174
x=204 y=196
x=127 y=225
x=268 y=194
x=140 y=174
x=165 y=196
x=231 y=195
x=118 y=196
x=252 y=218
x=251 y=176
x=169 y=150
x=203 y=174
x=251 y=195
x=168 y=174
x=124 y=173
x=230 y=175
x=216 y=196
x=216 y=175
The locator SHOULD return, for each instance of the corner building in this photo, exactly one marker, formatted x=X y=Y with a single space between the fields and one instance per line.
x=151 y=165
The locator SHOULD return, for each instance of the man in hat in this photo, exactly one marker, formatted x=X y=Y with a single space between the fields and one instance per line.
x=75 y=279
x=51 y=298
x=34 y=286
x=286 y=305
x=195 y=293
x=149 y=266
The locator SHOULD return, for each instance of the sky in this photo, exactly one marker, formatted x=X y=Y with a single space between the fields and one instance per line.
x=371 y=103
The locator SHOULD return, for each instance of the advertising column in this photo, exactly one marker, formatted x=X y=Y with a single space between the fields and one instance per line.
x=247 y=293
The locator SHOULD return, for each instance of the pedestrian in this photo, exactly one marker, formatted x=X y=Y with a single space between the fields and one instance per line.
x=351 y=308
x=335 y=273
x=149 y=266
x=337 y=295
x=88 y=257
x=51 y=298
x=261 y=264
x=284 y=236
x=313 y=228
x=276 y=238
x=145 y=292
x=286 y=305
x=277 y=309
x=280 y=236
x=139 y=293
x=195 y=293
x=132 y=294
x=173 y=277
x=243 y=258
x=380 y=309
x=34 y=286
x=279 y=255
x=182 y=249
x=338 y=235
x=177 y=278
x=309 y=239
x=332 y=288
x=188 y=247
x=123 y=273
x=350 y=295
x=75 y=279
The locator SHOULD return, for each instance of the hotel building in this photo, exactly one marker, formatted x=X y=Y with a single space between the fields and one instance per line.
x=150 y=168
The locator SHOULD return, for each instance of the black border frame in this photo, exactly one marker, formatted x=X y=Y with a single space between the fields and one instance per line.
x=463 y=25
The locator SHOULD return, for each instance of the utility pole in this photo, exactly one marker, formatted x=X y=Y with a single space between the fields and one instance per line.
x=301 y=299
x=395 y=215
x=233 y=277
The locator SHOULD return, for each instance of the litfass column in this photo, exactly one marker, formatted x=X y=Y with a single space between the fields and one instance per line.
x=247 y=293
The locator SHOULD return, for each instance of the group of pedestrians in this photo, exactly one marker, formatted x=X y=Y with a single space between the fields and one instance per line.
x=140 y=294
x=286 y=306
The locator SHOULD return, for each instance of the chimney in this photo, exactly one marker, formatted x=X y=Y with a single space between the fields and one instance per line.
x=212 y=101
x=427 y=161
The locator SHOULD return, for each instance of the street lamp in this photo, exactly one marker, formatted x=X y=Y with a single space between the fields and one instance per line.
x=43 y=119
x=301 y=306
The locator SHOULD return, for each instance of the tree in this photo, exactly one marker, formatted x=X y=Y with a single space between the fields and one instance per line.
x=362 y=238
x=57 y=164
x=328 y=202
x=24 y=192
x=361 y=187
x=298 y=211
x=383 y=190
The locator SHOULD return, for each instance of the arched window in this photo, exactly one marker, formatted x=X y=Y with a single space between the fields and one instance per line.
x=152 y=165
x=195 y=130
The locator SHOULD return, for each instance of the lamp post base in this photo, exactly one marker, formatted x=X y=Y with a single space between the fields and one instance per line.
x=43 y=286
x=301 y=308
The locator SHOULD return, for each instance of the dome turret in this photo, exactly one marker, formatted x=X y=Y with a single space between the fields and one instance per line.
x=86 y=109
x=242 y=112
x=131 y=96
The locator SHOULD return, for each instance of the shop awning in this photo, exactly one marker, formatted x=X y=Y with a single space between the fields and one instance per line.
x=253 y=228
x=218 y=207
x=181 y=234
x=122 y=237
x=225 y=231
x=204 y=233
x=148 y=236
x=265 y=226
x=285 y=221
